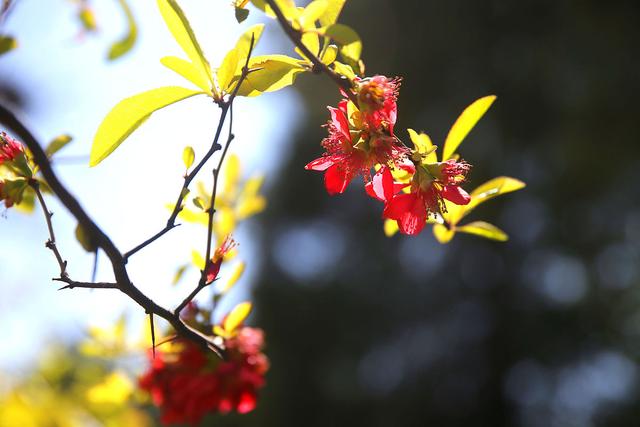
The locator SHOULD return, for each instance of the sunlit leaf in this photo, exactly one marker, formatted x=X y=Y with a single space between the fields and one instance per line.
x=87 y=18
x=179 y=274
x=235 y=318
x=484 y=229
x=348 y=40
x=197 y=259
x=226 y=285
x=197 y=201
x=125 y=44
x=312 y=42
x=330 y=54
x=224 y=221
x=424 y=145
x=493 y=188
x=115 y=389
x=7 y=43
x=464 y=124
x=129 y=114
x=188 y=156
x=231 y=174
x=442 y=233
x=331 y=13
x=287 y=7
x=273 y=72
x=189 y=71
x=57 y=144
x=250 y=202
x=390 y=227
x=179 y=26
x=344 y=70
x=312 y=13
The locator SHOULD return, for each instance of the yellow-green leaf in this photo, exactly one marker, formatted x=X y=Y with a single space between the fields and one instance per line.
x=57 y=143
x=331 y=13
x=493 y=188
x=125 y=44
x=129 y=114
x=329 y=55
x=442 y=233
x=424 y=145
x=464 y=124
x=7 y=43
x=197 y=260
x=348 y=40
x=233 y=279
x=187 y=70
x=115 y=389
x=273 y=72
x=85 y=239
x=312 y=13
x=344 y=70
x=241 y=14
x=231 y=174
x=236 y=317
x=179 y=26
x=484 y=229
x=188 y=156
x=312 y=42
x=390 y=227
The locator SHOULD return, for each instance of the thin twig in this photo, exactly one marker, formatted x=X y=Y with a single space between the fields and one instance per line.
x=318 y=65
x=88 y=285
x=101 y=239
x=227 y=106
x=51 y=243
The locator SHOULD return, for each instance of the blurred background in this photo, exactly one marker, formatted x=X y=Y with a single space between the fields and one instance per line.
x=363 y=330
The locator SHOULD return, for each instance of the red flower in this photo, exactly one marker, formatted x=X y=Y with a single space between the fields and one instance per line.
x=191 y=382
x=218 y=256
x=432 y=183
x=360 y=139
x=9 y=148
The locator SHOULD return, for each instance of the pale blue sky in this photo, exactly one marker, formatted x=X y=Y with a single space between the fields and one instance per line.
x=70 y=88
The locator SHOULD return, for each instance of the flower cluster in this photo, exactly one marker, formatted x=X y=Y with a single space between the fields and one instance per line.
x=13 y=164
x=361 y=139
x=187 y=382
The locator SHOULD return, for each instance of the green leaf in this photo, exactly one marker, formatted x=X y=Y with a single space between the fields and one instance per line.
x=125 y=44
x=179 y=26
x=273 y=72
x=188 y=156
x=312 y=13
x=330 y=54
x=187 y=70
x=57 y=144
x=197 y=202
x=179 y=273
x=197 y=260
x=348 y=40
x=241 y=14
x=423 y=145
x=7 y=43
x=85 y=239
x=331 y=13
x=344 y=70
x=129 y=114
x=235 y=318
x=236 y=58
x=442 y=233
x=484 y=229
x=464 y=124
x=493 y=188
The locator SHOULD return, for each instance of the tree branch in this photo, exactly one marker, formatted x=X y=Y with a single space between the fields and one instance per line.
x=319 y=66
x=103 y=241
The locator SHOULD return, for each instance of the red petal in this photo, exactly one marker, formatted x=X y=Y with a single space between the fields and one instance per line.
x=455 y=194
x=340 y=122
x=410 y=212
x=381 y=186
x=336 y=180
x=247 y=402
x=319 y=164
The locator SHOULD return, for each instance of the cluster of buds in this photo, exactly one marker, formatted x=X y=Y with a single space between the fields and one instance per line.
x=361 y=139
x=187 y=382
